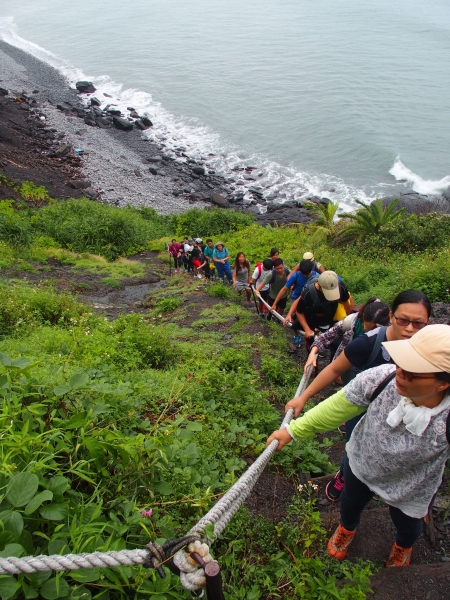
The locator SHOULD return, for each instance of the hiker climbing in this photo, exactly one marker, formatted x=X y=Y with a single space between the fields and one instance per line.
x=315 y=266
x=410 y=312
x=221 y=258
x=406 y=429
x=296 y=283
x=276 y=279
x=241 y=275
x=316 y=308
x=258 y=277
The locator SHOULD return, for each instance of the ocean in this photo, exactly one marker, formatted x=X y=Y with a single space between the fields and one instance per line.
x=344 y=95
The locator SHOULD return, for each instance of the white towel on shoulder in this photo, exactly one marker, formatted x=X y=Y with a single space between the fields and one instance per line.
x=415 y=418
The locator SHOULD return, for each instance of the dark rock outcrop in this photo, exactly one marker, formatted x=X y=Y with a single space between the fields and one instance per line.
x=79 y=184
x=85 y=87
x=122 y=124
x=219 y=200
x=421 y=204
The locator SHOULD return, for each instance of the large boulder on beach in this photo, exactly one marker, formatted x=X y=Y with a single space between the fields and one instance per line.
x=139 y=124
x=123 y=124
x=146 y=121
x=85 y=87
x=219 y=200
x=3 y=92
x=199 y=170
x=79 y=184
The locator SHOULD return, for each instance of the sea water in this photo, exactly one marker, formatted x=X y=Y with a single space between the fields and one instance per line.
x=349 y=95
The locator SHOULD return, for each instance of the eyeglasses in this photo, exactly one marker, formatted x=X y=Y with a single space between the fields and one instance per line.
x=411 y=376
x=406 y=322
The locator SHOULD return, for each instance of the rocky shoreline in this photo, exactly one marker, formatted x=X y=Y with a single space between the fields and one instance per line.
x=79 y=144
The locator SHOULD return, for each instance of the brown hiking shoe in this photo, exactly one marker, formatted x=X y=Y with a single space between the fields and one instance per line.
x=339 y=542
x=399 y=557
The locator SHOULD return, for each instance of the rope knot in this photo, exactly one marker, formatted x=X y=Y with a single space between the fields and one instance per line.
x=192 y=575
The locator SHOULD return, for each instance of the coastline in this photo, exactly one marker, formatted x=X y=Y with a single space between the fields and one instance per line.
x=114 y=162
x=123 y=168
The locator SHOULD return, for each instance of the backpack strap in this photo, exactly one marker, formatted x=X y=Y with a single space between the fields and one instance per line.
x=380 y=387
x=381 y=334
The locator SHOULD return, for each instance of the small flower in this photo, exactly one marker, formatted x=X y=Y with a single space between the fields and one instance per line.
x=147 y=513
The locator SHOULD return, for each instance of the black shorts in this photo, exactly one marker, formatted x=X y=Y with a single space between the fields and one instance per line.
x=281 y=303
x=264 y=295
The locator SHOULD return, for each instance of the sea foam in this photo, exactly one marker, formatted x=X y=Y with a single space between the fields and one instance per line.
x=419 y=185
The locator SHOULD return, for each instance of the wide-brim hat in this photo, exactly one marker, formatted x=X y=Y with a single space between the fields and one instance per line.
x=220 y=244
x=428 y=351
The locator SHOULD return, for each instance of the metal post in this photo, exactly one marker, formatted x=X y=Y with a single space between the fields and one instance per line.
x=213 y=577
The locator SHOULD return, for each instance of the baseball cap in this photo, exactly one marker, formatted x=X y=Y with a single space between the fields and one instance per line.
x=220 y=244
x=308 y=256
x=428 y=351
x=329 y=283
x=198 y=240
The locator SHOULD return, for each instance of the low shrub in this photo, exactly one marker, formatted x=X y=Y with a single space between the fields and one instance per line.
x=209 y=222
x=22 y=306
x=88 y=226
x=142 y=345
x=218 y=290
x=167 y=304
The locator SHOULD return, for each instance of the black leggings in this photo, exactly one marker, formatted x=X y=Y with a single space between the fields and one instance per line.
x=356 y=495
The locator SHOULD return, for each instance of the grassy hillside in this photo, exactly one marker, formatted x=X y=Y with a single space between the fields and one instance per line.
x=161 y=410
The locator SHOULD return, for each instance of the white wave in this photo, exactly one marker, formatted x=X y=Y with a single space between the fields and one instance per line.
x=419 y=185
x=276 y=181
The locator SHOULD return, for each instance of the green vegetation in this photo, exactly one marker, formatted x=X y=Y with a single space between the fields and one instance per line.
x=163 y=410
x=369 y=219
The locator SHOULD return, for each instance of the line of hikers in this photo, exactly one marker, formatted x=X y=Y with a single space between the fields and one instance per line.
x=395 y=406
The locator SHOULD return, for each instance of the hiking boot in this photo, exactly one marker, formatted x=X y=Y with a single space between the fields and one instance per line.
x=339 y=542
x=334 y=487
x=399 y=556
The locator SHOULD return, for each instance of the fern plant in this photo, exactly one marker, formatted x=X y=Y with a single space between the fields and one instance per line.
x=369 y=219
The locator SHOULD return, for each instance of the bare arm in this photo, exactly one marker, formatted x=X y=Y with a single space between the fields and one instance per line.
x=292 y=309
x=304 y=323
x=325 y=377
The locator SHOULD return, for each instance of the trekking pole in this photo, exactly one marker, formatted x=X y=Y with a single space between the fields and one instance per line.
x=254 y=297
x=274 y=312
x=170 y=260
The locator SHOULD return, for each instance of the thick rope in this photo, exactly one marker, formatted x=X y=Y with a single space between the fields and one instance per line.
x=71 y=562
x=191 y=576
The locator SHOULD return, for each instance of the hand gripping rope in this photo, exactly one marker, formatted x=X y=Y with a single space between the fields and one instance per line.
x=194 y=566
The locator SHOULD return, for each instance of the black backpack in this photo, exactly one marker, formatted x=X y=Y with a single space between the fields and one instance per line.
x=385 y=382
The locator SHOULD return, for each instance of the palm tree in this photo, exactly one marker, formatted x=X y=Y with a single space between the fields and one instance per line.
x=369 y=219
x=325 y=216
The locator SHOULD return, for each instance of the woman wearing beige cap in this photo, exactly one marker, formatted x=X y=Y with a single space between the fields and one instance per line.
x=398 y=450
